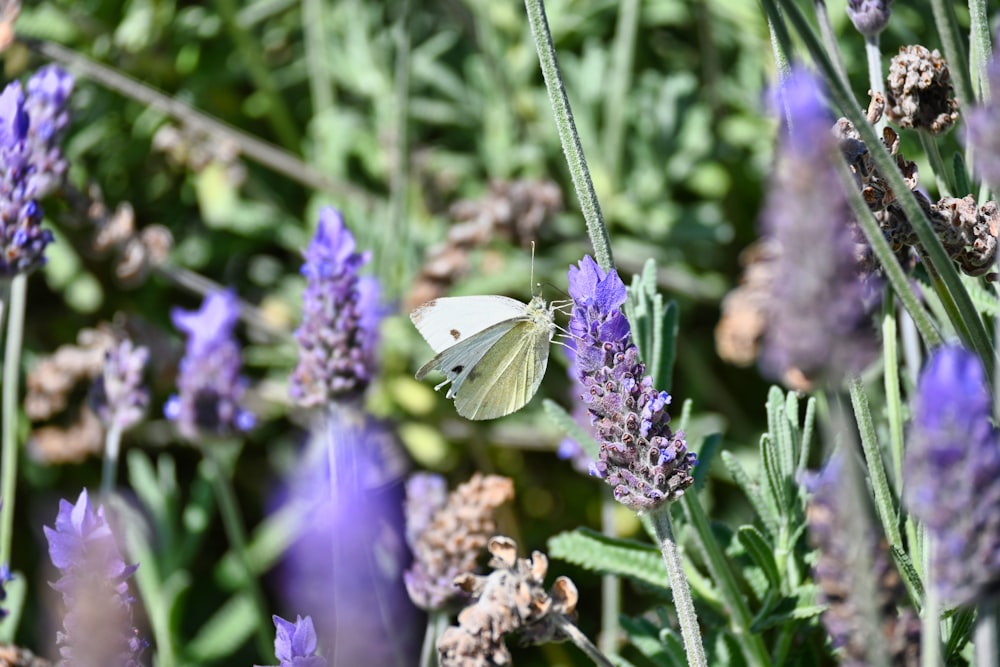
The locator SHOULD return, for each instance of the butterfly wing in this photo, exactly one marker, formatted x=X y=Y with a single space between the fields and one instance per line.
x=458 y=361
x=507 y=375
x=448 y=321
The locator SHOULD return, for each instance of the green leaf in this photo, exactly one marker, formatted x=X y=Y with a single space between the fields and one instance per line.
x=767 y=513
x=599 y=553
x=667 y=333
x=223 y=633
x=706 y=453
x=761 y=552
x=571 y=428
x=985 y=301
x=661 y=647
x=962 y=186
x=266 y=546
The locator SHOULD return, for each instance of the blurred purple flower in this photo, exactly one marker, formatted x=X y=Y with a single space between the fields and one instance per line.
x=295 y=643
x=351 y=548
x=98 y=627
x=5 y=578
x=22 y=240
x=870 y=17
x=644 y=462
x=818 y=326
x=210 y=387
x=983 y=122
x=48 y=93
x=118 y=396
x=952 y=475
x=340 y=316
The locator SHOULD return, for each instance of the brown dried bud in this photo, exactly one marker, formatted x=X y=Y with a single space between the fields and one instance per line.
x=919 y=91
x=967 y=232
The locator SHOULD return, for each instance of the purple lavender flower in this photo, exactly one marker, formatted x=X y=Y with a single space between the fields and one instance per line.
x=48 y=93
x=952 y=475
x=210 y=387
x=295 y=643
x=339 y=330
x=983 y=123
x=5 y=578
x=641 y=458
x=118 y=396
x=98 y=627
x=818 y=325
x=870 y=17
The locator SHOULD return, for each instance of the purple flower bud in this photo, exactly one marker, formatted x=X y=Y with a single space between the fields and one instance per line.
x=818 y=327
x=870 y=17
x=295 y=643
x=340 y=315
x=952 y=475
x=98 y=627
x=118 y=396
x=210 y=388
x=641 y=458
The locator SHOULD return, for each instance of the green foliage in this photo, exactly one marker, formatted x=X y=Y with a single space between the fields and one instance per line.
x=605 y=555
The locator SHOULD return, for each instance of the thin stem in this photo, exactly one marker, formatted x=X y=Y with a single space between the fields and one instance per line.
x=568 y=135
x=11 y=366
x=986 y=639
x=581 y=641
x=436 y=622
x=112 y=447
x=930 y=636
x=942 y=173
x=232 y=523
x=623 y=54
x=611 y=585
x=979 y=36
x=874 y=56
x=828 y=37
x=683 y=603
x=317 y=60
x=893 y=398
x=754 y=651
x=781 y=41
x=392 y=255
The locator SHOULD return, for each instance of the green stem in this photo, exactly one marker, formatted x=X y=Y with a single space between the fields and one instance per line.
x=623 y=53
x=611 y=585
x=683 y=603
x=251 y=55
x=317 y=61
x=722 y=575
x=112 y=447
x=930 y=636
x=829 y=39
x=979 y=36
x=893 y=398
x=942 y=173
x=11 y=368
x=874 y=56
x=232 y=523
x=954 y=50
x=437 y=621
x=392 y=255
x=568 y=135
x=781 y=41
x=987 y=641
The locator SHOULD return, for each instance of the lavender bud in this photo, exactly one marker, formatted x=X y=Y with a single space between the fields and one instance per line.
x=295 y=643
x=210 y=388
x=117 y=395
x=98 y=627
x=641 y=458
x=340 y=315
x=48 y=93
x=870 y=17
x=952 y=476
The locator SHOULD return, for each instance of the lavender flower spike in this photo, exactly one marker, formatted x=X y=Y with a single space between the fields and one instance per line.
x=818 y=325
x=210 y=388
x=295 y=643
x=48 y=93
x=339 y=330
x=646 y=463
x=98 y=627
x=22 y=240
x=870 y=17
x=117 y=395
x=951 y=476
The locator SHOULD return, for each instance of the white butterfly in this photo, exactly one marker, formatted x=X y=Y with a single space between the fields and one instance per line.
x=492 y=349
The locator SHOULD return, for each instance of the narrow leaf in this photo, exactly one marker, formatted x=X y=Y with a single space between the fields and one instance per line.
x=761 y=552
x=599 y=553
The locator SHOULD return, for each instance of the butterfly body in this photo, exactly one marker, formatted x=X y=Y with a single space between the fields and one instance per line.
x=492 y=349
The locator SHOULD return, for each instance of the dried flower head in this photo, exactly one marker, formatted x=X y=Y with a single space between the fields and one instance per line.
x=98 y=627
x=339 y=330
x=870 y=17
x=919 y=93
x=968 y=232
x=818 y=326
x=851 y=563
x=295 y=643
x=644 y=462
x=510 y=599
x=452 y=540
x=951 y=476
x=118 y=396
x=210 y=388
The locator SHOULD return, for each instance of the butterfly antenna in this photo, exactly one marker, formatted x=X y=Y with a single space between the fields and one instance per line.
x=532 y=283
